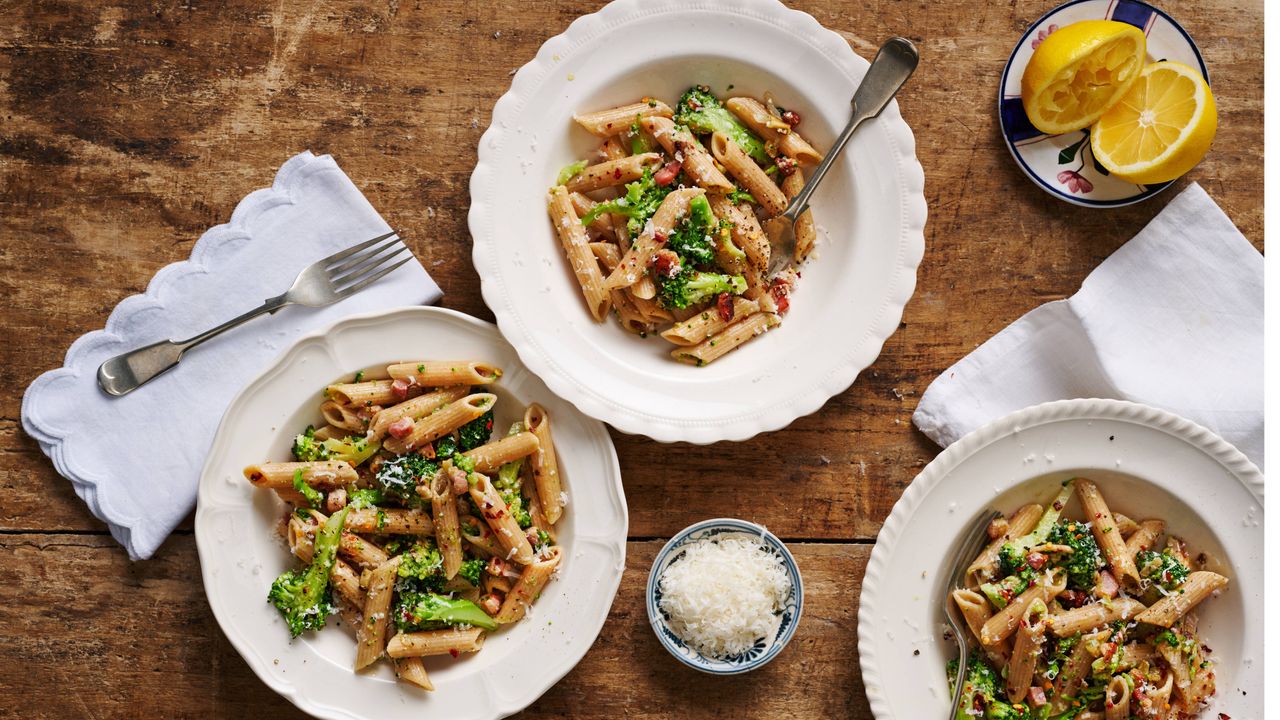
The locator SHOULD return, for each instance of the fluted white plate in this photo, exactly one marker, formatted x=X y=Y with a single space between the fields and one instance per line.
x=870 y=211
x=240 y=552
x=1147 y=462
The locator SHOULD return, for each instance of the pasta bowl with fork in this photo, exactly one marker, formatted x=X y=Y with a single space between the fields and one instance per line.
x=1122 y=489
x=868 y=224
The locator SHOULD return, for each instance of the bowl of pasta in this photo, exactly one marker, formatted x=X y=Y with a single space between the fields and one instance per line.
x=621 y=206
x=396 y=516
x=1121 y=576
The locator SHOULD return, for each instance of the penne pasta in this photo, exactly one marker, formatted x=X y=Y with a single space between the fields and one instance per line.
x=511 y=538
x=694 y=159
x=1093 y=616
x=319 y=474
x=612 y=173
x=390 y=521
x=412 y=671
x=982 y=568
x=1026 y=650
x=480 y=537
x=442 y=422
x=528 y=588
x=728 y=339
x=1125 y=524
x=371 y=638
x=1198 y=586
x=574 y=240
x=772 y=130
x=543 y=463
x=804 y=228
x=1117 y=698
x=491 y=456
x=414 y=409
x=1144 y=536
x=1105 y=531
x=343 y=417
x=707 y=323
x=361 y=394
x=744 y=231
x=748 y=174
x=616 y=120
x=435 y=642
x=602 y=224
x=444 y=513
x=445 y=373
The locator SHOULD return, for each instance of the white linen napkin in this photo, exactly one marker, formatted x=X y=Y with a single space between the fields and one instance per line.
x=135 y=460
x=1172 y=319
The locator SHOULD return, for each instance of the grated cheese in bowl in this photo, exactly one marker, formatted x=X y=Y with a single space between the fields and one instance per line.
x=722 y=595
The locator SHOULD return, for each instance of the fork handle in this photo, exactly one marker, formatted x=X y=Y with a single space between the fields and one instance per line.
x=124 y=373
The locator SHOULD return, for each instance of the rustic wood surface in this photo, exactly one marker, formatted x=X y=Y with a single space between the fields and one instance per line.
x=130 y=127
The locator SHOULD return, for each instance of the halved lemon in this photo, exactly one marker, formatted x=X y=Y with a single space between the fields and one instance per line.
x=1160 y=129
x=1079 y=71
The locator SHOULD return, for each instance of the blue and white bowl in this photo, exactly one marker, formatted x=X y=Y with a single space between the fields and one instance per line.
x=766 y=648
x=1063 y=165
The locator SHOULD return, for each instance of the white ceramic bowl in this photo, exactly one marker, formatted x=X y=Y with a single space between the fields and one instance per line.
x=851 y=295
x=240 y=553
x=1147 y=463
x=768 y=647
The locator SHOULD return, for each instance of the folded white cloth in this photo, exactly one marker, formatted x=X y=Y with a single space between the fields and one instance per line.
x=135 y=460
x=1172 y=319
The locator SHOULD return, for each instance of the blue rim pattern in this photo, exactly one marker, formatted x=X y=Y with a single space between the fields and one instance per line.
x=765 y=649
x=1016 y=127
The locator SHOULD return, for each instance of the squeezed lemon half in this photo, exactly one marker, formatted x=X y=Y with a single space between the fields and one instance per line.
x=1079 y=71
x=1160 y=128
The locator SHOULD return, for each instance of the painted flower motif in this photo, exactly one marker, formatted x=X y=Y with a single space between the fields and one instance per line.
x=1040 y=36
x=1075 y=182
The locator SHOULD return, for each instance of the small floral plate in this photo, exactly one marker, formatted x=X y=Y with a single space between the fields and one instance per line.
x=766 y=648
x=1063 y=165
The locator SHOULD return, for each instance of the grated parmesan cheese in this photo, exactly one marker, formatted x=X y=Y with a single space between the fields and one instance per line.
x=721 y=596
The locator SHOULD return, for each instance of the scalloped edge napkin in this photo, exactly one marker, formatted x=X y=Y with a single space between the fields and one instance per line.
x=136 y=460
x=1173 y=319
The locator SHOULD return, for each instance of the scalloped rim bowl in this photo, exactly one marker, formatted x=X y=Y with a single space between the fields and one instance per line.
x=1147 y=462
x=871 y=222
x=788 y=619
x=240 y=553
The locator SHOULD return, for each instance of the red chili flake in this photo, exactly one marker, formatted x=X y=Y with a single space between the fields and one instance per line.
x=1057 y=505
x=791 y=117
x=659 y=237
x=1223 y=716
x=724 y=306
x=617 y=173
x=786 y=165
x=779 y=292
x=1097 y=515
x=453 y=652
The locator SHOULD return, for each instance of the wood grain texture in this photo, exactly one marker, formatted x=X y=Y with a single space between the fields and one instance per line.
x=130 y=127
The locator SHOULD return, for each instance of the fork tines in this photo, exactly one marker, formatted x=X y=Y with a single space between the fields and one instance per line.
x=356 y=267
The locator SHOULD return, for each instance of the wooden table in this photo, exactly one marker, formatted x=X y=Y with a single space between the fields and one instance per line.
x=131 y=127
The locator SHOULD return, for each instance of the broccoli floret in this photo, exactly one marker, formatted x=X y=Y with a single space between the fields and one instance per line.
x=398 y=477
x=568 y=172
x=737 y=196
x=640 y=202
x=471 y=570
x=303 y=596
x=418 y=611
x=1058 y=656
x=423 y=566
x=307 y=449
x=691 y=240
x=690 y=287
x=703 y=113
x=353 y=449
x=360 y=498
x=999 y=593
x=508 y=485
x=980 y=686
x=1085 y=558
x=476 y=433
x=312 y=496
x=1161 y=568
x=446 y=446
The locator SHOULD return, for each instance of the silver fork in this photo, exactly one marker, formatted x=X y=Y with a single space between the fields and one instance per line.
x=321 y=283
x=893 y=64
x=974 y=538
